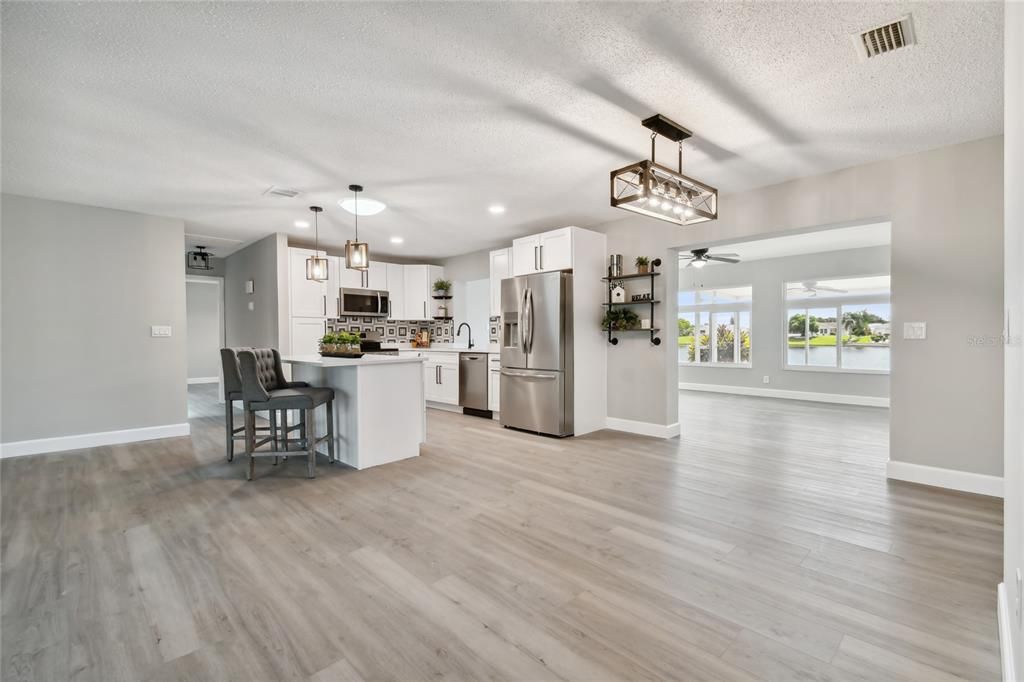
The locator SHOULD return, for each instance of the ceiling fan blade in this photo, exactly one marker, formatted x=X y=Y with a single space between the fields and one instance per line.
x=690 y=264
x=727 y=255
x=723 y=259
x=838 y=291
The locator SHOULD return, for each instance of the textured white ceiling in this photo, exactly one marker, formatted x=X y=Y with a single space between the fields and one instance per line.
x=818 y=241
x=440 y=109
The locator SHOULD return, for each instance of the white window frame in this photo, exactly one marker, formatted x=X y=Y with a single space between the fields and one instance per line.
x=711 y=309
x=837 y=303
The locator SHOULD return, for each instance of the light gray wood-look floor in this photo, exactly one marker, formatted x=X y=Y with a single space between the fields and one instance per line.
x=763 y=544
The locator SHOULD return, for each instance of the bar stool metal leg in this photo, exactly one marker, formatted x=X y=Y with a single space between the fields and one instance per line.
x=229 y=427
x=310 y=444
x=330 y=430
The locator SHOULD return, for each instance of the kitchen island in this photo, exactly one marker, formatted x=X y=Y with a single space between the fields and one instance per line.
x=379 y=406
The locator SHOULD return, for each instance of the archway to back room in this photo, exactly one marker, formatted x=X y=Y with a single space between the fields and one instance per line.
x=784 y=352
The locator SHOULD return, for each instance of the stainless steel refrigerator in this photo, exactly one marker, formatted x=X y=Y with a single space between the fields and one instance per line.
x=536 y=353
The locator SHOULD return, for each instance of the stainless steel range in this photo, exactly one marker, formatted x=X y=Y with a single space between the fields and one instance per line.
x=370 y=344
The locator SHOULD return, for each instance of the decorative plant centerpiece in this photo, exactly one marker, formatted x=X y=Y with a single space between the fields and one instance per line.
x=620 y=319
x=642 y=264
x=340 y=344
x=442 y=287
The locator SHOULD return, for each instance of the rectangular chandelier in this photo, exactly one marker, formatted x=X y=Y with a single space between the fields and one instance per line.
x=650 y=189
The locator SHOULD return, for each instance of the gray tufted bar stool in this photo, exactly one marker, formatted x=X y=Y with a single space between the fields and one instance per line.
x=233 y=392
x=262 y=389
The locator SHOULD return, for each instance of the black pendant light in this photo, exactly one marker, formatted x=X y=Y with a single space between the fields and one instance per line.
x=357 y=253
x=316 y=267
x=199 y=259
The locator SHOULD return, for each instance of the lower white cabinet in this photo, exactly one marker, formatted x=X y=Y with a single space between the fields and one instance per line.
x=440 y=375
x=306 y=335
x=494 y=382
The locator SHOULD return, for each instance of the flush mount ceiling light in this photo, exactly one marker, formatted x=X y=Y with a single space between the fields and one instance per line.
x=357 y=253
x=397 y=240
x=316 y=267
x=650 y=189
x=363 y=207
x=302 y=224
x=199 y=259
x=496 y=209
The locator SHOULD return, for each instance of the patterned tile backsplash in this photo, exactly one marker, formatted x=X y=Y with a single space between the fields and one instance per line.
x=394 y=330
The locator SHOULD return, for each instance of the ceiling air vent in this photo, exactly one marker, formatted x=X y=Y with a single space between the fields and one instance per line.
x=286 y=192
x=883 y=39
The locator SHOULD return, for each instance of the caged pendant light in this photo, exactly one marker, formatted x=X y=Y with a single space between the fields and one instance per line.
x=650 y=189
x=357 y=253
x=316 y=266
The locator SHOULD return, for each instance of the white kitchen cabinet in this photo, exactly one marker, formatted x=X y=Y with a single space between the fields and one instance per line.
x=351 y=279
x=396 y=290
x=418 y=289
x=494 y=383
x=441 y=377
x=306 y=296
x=306 y=334
x=377 y=276
x=543 y=252
x=500 y=269
x=332 y=304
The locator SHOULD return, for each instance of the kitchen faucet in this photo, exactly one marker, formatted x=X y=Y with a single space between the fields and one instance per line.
x=458 y=332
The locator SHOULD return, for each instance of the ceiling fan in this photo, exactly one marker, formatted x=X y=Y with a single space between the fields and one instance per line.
x=811 y=288
x=700 y=257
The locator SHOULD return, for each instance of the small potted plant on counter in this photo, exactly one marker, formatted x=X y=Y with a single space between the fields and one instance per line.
x=642 y=264
x=442 y=287
x=340 y=344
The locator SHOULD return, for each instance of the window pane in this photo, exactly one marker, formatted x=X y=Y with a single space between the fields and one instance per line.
x=866 y=331
x=724 y=337
x=797 y=337
x=744 y=336
x=687 y=298
x=704 y=337
x=821 y=345
x=687 y=329
x=809 y=290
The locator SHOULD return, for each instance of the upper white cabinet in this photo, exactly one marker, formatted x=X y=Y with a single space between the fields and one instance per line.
x=307 y=296
x=396 y=290
x=377 y=276
x=500 y=269
x=418 y=289
x=542 y=252
x=306 y=334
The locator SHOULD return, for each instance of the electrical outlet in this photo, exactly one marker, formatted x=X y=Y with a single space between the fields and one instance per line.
x=767 y=379
x=160 y=330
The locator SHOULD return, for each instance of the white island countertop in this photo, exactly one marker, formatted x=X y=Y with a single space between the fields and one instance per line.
x=365 y=361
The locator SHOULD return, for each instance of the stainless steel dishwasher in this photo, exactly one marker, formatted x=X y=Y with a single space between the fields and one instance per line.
x=473 y=384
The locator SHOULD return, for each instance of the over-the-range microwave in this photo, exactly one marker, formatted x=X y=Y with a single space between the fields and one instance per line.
x=366 y=302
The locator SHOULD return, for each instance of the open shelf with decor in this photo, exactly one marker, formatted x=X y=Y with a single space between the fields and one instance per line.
x=619 y=317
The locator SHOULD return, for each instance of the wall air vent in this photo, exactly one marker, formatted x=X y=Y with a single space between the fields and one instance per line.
x=884 y=39
x=286 y=192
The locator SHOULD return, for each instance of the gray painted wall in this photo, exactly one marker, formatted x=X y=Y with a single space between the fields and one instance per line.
x=81 y=288
x=945 y=391
x=261 y=262
x=1013 y=482
x=767 y=334
x=204 y=322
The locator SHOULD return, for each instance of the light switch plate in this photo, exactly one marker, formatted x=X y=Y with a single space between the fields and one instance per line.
x=915 y=330
x=252 y=305
x=160 y=330
x=250 y=286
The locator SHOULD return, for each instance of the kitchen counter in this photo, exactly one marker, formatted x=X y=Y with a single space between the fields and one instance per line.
x=379 y=405
x=452 y=348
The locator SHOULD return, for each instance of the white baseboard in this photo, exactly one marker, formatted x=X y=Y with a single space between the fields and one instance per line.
x=204 y=380
x=841 y=398
x=643 y=428
x=91 y=440
x=964 y=481
x=444 y=406
x=1005 y=643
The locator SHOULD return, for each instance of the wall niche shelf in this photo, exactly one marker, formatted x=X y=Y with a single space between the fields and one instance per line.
x=611 y=305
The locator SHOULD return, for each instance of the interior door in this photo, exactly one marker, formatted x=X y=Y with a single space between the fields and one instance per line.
x=544 y=319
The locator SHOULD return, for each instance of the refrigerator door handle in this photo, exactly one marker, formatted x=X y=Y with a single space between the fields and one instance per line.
x=522 y=321
x=510 y=373
x=529 y=293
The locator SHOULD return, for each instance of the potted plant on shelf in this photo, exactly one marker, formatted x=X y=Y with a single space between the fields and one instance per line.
x=642 y=264
x=442 y=287
x=620 y=319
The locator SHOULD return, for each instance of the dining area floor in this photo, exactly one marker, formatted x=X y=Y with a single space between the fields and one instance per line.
x=760 y=552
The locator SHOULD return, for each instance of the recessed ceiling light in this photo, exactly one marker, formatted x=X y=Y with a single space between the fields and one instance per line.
x=366 y=206
x=496 y=209
x=397 y=240
x=302 y=224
